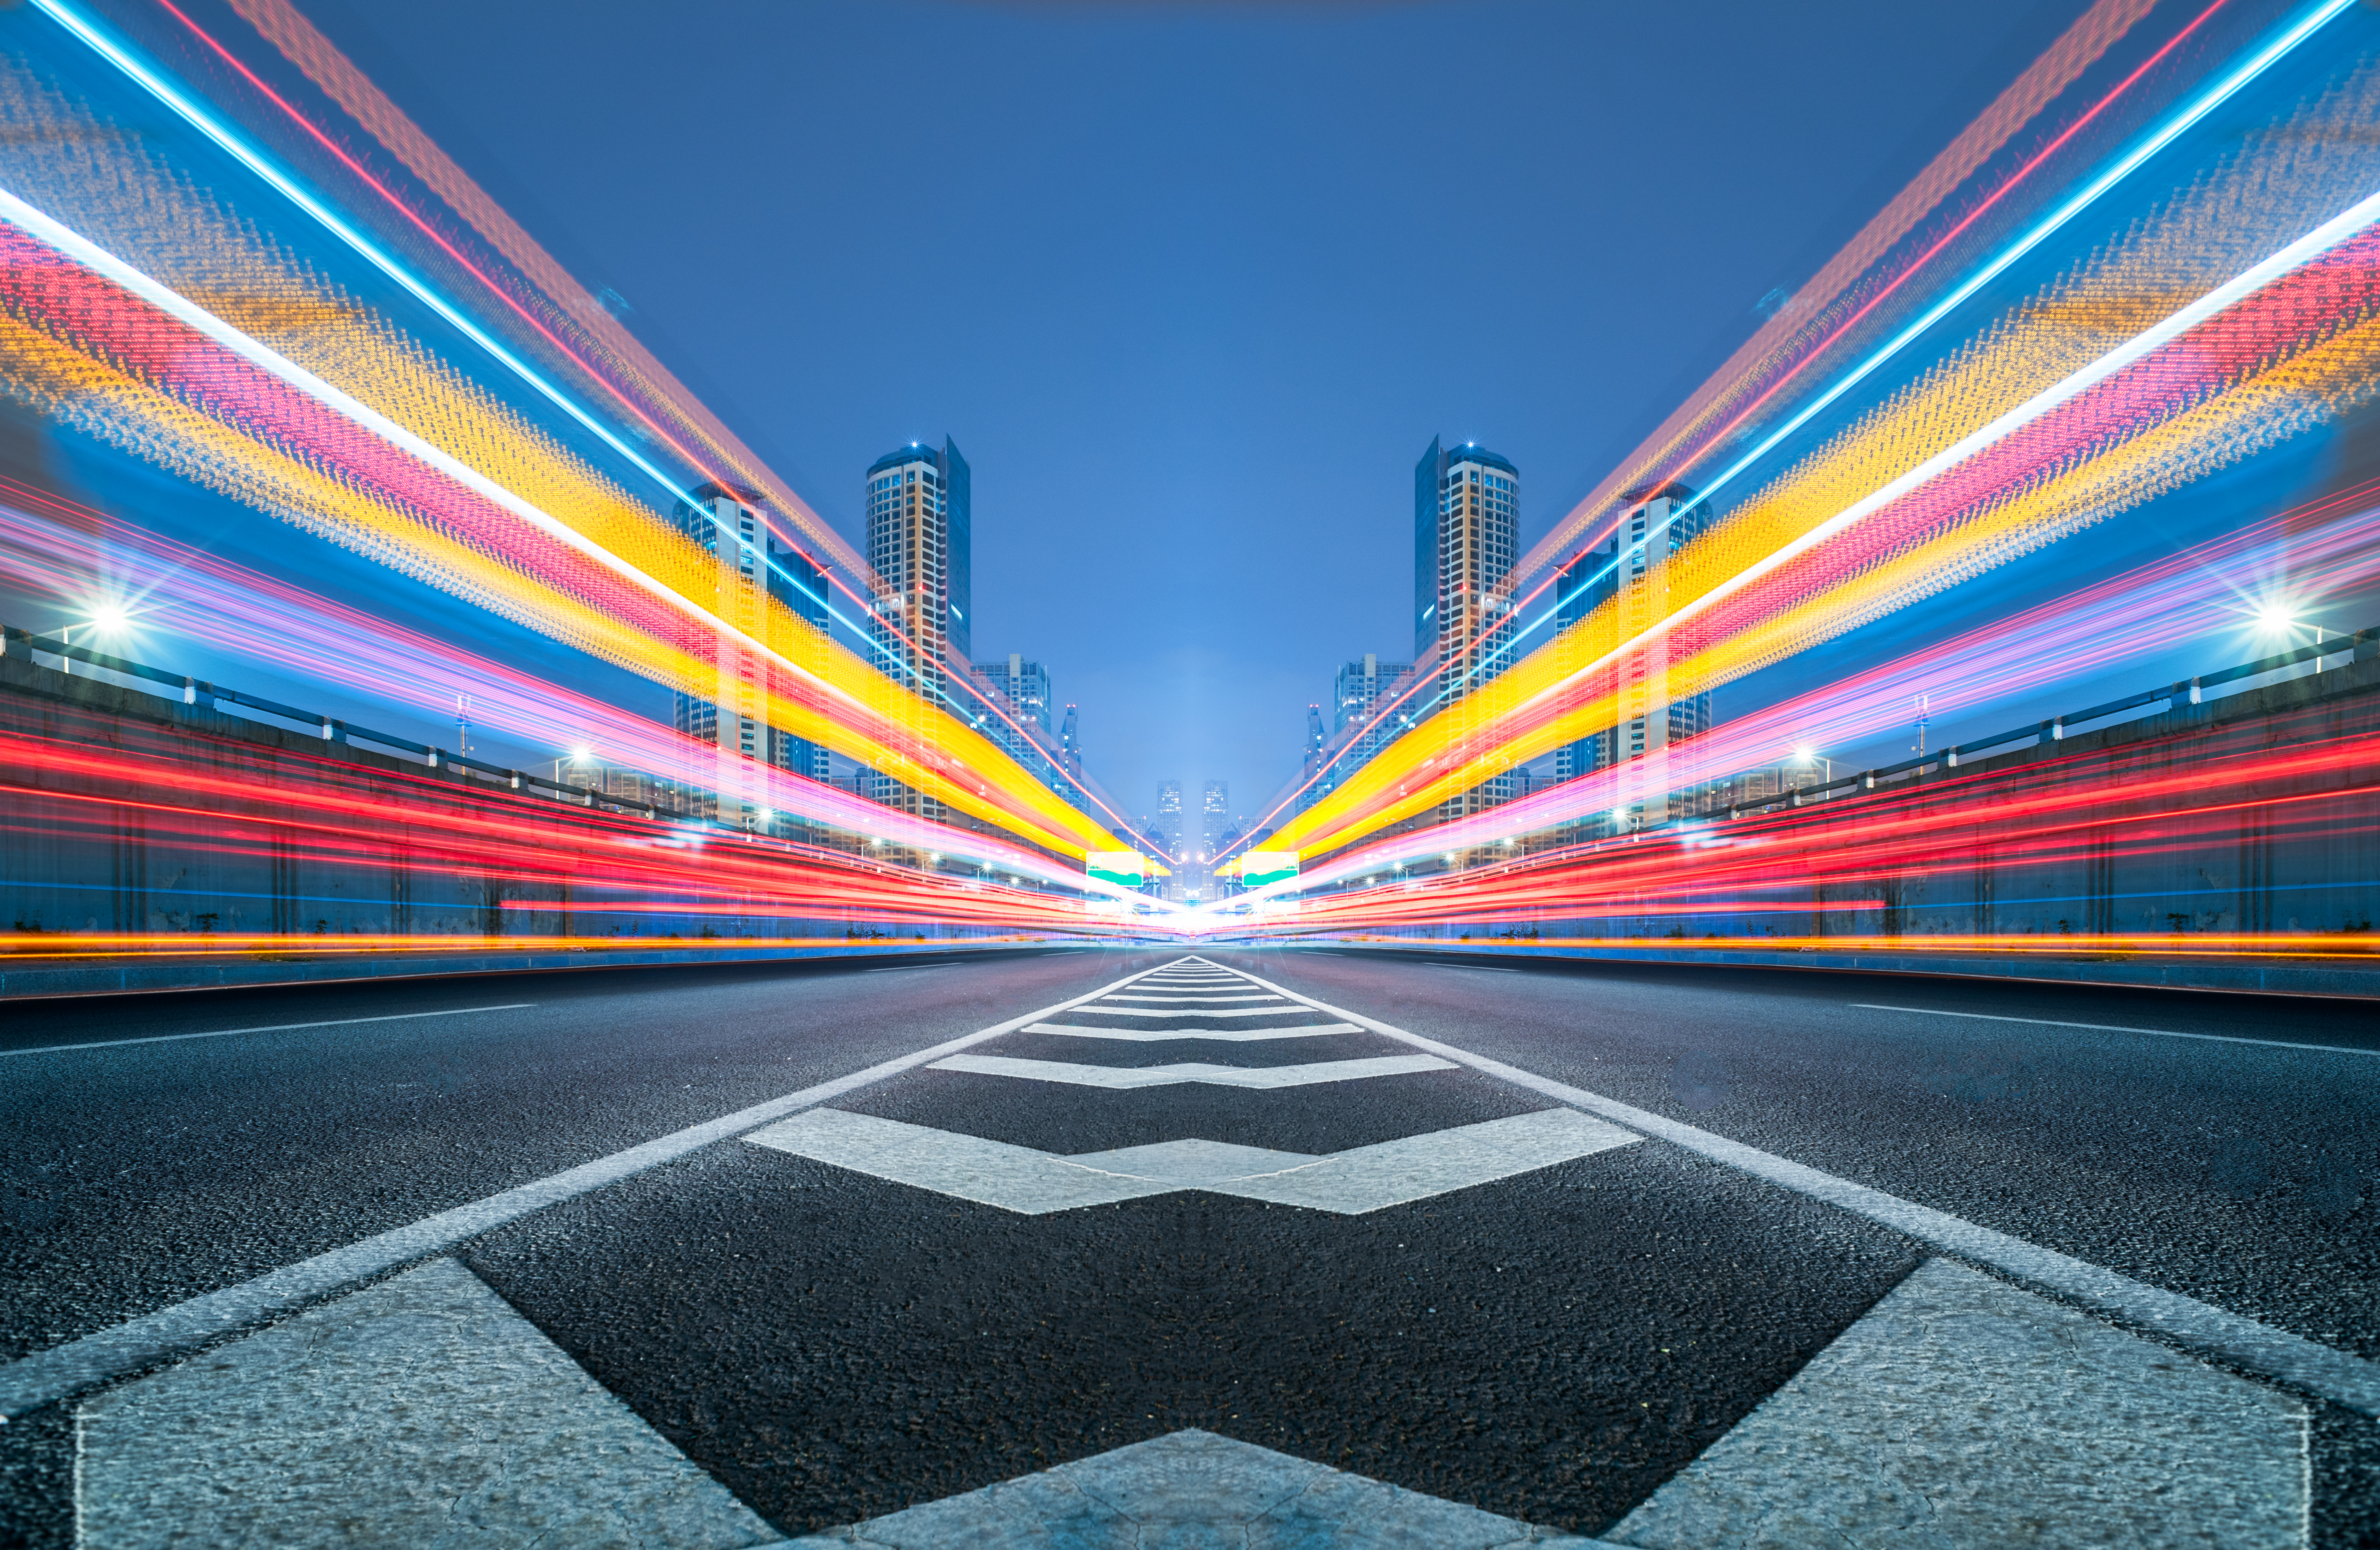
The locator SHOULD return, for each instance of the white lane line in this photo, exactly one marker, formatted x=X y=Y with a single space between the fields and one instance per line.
x=1125 y=1078
x=2118 y=1028
x=1225 y=1036
x=49 y=1375
x=266 y=1028
x=1217 y=995
x=2321 y=1370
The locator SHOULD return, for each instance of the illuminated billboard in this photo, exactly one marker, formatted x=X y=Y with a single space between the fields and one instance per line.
x=1124 y=868
x=1259 y=867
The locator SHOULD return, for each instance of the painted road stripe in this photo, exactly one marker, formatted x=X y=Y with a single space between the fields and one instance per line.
x=49 y=1375
x=1217 y=995
x=1125 y=1078
x=1158 y=1035
x=267 y=1028
x=1204 y=1012
x=2116 y=1028
x=1362 y=1178
x=2306 y=1364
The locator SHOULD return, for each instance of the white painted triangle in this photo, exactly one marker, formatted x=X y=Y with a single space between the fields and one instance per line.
x=419 y=1411
x=1031 y=1182
x=1259 y=1078
x=1220 y=1036
x=1193 y=1488
x=1203 y=1012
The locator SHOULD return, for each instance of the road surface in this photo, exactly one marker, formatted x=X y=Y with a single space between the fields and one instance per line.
x=1279 y=1243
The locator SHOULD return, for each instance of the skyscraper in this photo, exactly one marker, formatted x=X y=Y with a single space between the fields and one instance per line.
x=1070 y=744
x=1171 y=838
x=800 y=584
x=920 y=522
x=1214 y=814
x=1023 y=690
x=1579 y=588
x=1364 y=687
x=1652 y=716
x=726 y=704
x=1466 y=540
x=1168 y=815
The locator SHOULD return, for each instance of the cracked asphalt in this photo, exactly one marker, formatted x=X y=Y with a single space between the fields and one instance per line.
x=832 y=1346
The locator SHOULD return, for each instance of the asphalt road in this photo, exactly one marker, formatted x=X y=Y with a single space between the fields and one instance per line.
x=834 y=1340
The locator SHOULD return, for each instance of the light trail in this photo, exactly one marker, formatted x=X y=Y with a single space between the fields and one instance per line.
x=244 y=613
x=2152 y=608
x=2040 y=830
x=1708 y=573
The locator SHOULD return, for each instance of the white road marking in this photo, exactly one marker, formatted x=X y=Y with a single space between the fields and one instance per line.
x=1210 y=1011
x=1158 y=1035
x=1193 y=1487
x=1125 y=1078
x=2116 y=1028
x=1967 y=1406
x=307 y=1432
x=46 y=1375
x=266 y=1028
x=1219 y=996
x=1035 y=1183
x=2318 y=1369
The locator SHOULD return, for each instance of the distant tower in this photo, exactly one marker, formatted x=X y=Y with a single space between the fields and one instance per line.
x=1363 y=686
x=920 y=524
x=1168 y=814
x=1315 y=738
x=1214 y=814
x=1024 y=689
x=919 y=541
x=1070 y=745
x=800 y=584
x=1466 y=540
x=1630 y=570
x=726 y=705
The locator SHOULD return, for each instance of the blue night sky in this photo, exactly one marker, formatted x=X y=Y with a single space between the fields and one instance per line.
x=1193 y=284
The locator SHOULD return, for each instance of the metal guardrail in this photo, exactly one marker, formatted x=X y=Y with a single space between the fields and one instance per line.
x=2362 y=646
x=200 y=694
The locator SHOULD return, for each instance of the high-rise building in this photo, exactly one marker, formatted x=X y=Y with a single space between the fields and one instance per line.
x=1466 y=540
x=1023 y=690
x=1214 y=814
x=726 y=705
x=1362 y=687
x=1659 y=779
x=1168 y=815
x=1579 y=588
x=1070 y=745
x=920 y=521
x=801 y=585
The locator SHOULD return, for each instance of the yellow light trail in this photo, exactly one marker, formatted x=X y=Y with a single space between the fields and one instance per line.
x=2258 y=198
x=160 y=223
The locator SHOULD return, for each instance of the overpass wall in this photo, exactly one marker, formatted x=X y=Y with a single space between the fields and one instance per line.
x=2255 y=817
x=128 y=816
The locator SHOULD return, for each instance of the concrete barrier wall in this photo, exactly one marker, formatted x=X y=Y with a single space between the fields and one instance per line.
x=127 y=815
x=2254 y=816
